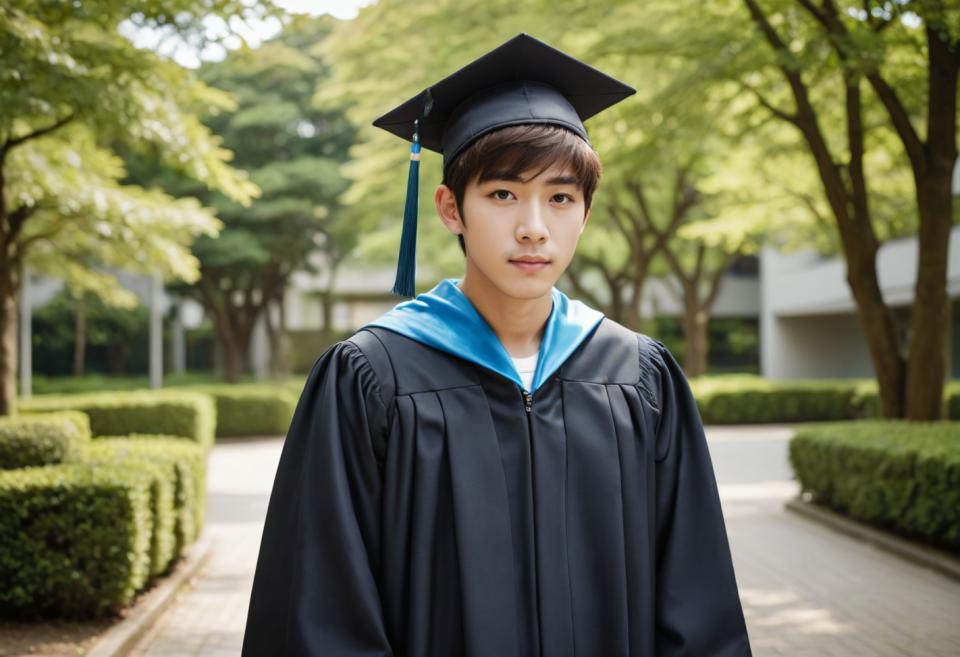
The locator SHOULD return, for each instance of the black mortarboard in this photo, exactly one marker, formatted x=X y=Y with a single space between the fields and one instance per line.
x=521 y=81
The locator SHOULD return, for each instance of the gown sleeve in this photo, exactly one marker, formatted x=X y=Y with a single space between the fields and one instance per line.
x=698 y=610
x=315 y=592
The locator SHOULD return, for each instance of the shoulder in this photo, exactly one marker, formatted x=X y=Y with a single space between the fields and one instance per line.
x=617 y=354
x=405 y=366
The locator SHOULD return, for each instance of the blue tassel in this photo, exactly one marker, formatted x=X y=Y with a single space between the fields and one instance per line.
x=407 y=263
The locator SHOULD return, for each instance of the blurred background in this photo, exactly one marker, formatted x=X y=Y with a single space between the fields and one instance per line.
x=194 y=206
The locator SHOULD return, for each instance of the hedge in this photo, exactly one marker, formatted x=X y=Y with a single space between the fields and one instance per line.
x=186 y=468
x=42 y=439
x=747 y=400
x=867 y=400
x=753 y=400
x=74 y=540
x=164 y=412
x=251 y=409
x=161 y=479
x=898 y=475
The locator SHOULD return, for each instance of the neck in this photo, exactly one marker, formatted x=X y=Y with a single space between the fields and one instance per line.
x=519 y=323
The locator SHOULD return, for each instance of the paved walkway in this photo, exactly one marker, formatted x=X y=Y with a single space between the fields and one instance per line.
x=807 y=591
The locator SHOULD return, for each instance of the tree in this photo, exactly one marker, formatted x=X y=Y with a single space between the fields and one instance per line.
x=71 y=86
x=889 y=47
x=293 y=151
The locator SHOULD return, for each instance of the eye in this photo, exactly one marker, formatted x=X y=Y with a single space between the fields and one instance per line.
x=502 y=194
x=562 y=198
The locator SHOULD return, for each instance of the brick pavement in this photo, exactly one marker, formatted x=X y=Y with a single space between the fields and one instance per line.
x=806 y=590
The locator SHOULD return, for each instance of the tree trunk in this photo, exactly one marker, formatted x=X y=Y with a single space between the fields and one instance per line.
x=234 y=360
x=8 y=339
x=79 y=337
x=932 y=170
x=879 y=329
x=696 y=344
x=926 y=367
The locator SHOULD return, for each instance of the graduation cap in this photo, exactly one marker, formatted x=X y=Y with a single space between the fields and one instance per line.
x=522 y=81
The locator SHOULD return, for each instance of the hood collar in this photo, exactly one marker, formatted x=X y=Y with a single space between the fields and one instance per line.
x=444 y=318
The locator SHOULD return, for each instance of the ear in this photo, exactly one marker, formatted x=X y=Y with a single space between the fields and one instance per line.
x=586 y=218
x=446 y=204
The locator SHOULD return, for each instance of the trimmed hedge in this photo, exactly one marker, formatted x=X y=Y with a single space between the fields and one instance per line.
x=754 y=400
x=161 y=479
x=164 y=412
x=74 y=540
x=747 y=400
x=900 y=476
x=185 y=465
x=867 y=401
x=251 y=409
x=32 y=440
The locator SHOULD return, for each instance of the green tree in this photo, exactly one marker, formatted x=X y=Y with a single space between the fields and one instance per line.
x=71 y=88
x=874 y=69
x=293 y=151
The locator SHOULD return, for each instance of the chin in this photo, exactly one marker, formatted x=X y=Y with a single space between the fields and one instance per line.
x=532 y=288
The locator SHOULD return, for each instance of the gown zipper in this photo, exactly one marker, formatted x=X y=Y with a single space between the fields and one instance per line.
x=527 y=400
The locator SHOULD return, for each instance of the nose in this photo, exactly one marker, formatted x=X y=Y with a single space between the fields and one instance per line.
x=532 y=228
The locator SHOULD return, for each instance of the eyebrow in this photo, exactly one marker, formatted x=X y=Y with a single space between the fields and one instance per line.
x=556 y=180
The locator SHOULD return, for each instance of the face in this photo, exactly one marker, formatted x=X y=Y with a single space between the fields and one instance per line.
x=520 y=234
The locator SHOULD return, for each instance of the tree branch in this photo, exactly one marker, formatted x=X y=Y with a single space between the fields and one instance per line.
x=10 y=144
x=776 y=111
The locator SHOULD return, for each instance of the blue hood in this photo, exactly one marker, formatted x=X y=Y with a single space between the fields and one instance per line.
x=444 y=318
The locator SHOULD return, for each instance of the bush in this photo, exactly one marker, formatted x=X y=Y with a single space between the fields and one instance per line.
x=749 y=400
x=74 y=540
x=185 y=465
x=900 y=476
x=161 y=477
x=32 y=440
x=251 y=409
x=165 y=412
x=867 y=401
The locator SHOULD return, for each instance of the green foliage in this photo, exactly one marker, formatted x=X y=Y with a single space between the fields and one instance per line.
x=161 y=482
x=252 y=409
x=900 y=476
x=748 y=400
x=112 y=334
x=743 y=399
x=177 y=470
x=47 y=439
x=293 y=150
x=74 y=540
x=167 y=412
x=868 y=400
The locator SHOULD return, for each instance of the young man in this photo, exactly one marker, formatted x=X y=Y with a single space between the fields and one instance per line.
x=492 y=469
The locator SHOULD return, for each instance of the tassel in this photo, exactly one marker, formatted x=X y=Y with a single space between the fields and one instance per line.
x=407 y=263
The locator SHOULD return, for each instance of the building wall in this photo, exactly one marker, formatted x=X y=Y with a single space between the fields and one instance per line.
x=808 y=324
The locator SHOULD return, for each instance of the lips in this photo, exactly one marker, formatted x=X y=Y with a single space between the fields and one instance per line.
x=530 y=263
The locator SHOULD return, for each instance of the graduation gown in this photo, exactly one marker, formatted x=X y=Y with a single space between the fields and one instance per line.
x=427 y=505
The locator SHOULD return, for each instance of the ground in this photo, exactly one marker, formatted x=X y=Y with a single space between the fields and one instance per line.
x=807 y=591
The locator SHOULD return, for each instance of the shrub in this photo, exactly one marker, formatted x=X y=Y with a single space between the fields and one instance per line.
x=185 y=464
x=161 y=477
x=32 y=440
x=897 y=475
x=165 y=412
x=74 y=540
x=748 y=400
x=251 y=409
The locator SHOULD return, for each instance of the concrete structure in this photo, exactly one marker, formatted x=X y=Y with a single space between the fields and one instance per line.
x=808 y=323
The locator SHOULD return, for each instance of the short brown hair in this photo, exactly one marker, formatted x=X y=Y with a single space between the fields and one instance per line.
x=515 y=149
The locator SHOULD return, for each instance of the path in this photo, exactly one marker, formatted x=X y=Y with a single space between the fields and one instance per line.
x=807 y=591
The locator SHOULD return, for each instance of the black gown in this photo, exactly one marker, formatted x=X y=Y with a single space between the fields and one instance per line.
x=425 y=507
